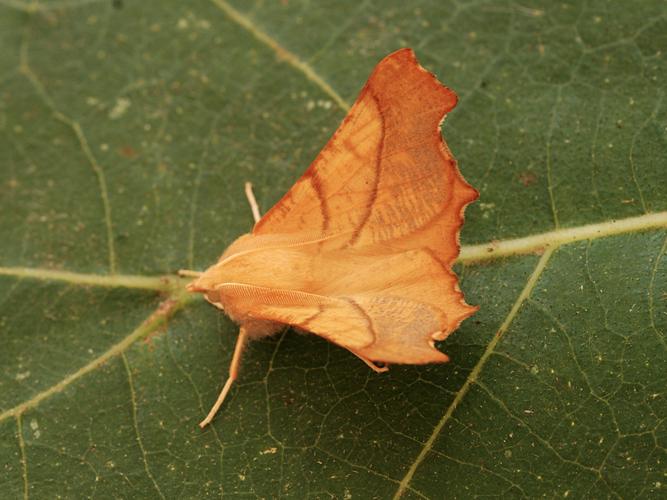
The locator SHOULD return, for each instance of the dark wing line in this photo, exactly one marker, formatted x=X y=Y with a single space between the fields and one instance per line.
x=320 y=310
x=369 y=321
x=324 y=207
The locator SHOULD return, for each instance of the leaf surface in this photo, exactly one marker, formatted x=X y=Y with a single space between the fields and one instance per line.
x=127 y=132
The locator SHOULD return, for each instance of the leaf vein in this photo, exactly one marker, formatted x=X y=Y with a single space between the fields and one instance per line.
x=481 y=468
x=158 y=318
x=135 y=424
x=633 y=168
x=542 y=440
x=474 y=374
x=550 y=182
x=538 y=243
x=36 y=6
x=281 y=52
x=29 y=74
x=24 y=458
x=651 y=292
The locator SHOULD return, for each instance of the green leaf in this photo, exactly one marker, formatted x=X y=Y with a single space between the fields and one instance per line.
x=128 y=129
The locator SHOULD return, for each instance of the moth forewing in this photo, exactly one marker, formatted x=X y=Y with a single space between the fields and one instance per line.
x=360 y=250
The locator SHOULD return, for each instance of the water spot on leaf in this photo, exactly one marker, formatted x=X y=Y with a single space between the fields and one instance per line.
x=120 y=108
x=35 y=428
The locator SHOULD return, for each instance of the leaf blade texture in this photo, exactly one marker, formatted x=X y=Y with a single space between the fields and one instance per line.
x=128 y=129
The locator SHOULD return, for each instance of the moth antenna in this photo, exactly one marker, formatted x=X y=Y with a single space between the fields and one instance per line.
x=187 y=273
x=253 y=202
x=233 y=374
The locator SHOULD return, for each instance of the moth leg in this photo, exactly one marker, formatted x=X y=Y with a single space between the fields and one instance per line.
x=233 y=373
x=252 y=201
x=371 y=365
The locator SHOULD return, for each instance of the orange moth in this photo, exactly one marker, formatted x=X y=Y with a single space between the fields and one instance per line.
x=360 y=250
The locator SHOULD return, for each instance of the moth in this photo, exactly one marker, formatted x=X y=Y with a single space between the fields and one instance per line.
x=360 y=250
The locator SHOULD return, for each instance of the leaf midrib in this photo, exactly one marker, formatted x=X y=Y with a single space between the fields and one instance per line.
x=470 y=254
x=544 y=243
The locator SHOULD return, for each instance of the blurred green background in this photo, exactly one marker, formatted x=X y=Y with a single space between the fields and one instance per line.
x=127 y=130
